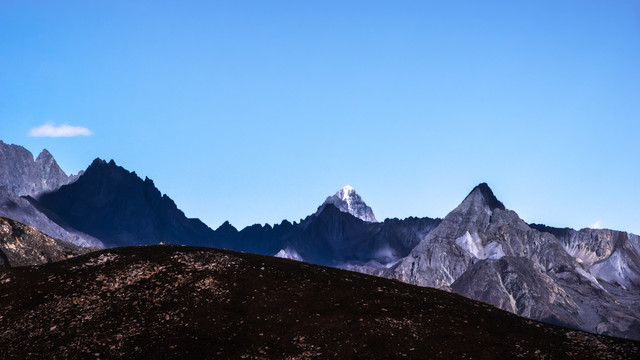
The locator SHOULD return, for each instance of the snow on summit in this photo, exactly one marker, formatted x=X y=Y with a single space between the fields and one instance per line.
x=347 y=200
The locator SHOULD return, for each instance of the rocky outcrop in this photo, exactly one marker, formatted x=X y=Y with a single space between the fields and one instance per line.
x=22 y=245
x=518 y=285
x=447 y=251
x=23 y=175
x=610 y=255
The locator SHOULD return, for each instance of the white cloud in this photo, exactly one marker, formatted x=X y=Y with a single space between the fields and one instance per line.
x=596 y=225
x=64 y=130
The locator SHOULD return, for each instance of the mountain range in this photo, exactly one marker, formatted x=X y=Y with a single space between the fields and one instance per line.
x=585 y=279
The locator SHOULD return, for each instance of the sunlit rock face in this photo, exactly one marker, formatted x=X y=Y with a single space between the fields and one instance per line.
x=22 y=245
x=22 y=180
x=587 y=279
x=23 y=175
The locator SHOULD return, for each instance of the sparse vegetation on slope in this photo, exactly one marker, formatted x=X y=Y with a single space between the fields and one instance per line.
x=181 y=302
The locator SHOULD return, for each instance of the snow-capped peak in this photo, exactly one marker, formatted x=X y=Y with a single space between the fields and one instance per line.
x=346 y=193
x=347 y=200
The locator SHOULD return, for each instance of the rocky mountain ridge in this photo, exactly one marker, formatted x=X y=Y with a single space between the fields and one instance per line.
x=330 y=237
x=22 y=180
x=119 y=208
x=484 y=251
x=24 y=176
x=126 y=210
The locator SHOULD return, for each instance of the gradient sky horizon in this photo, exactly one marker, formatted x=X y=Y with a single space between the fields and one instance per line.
x=255 y=111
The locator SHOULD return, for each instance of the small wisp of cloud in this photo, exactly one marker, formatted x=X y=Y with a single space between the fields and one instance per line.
x=596 y=225
x=64 y=130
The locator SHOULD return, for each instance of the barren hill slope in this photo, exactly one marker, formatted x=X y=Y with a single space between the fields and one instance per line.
x=184 y=302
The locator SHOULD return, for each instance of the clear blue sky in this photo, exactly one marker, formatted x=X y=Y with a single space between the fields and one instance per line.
x=255 y=111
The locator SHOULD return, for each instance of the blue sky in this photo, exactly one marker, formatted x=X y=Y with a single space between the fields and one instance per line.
x=255 y=111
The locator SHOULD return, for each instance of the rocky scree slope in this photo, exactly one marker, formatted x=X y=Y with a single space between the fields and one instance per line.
x=176 y=302
x=24 y=245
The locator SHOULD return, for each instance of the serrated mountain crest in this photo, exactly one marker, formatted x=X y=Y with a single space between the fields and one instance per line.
x=125 y=209
x=23 y=175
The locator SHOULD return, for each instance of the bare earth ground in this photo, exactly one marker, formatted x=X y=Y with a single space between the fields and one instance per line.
x=171 y=302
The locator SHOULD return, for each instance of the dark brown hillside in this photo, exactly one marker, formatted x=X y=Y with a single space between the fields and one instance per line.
x=183 y=303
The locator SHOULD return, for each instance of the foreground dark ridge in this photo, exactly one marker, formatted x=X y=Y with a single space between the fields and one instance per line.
x=183 y=302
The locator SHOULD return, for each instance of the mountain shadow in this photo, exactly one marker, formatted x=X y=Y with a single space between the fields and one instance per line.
x=119 y=208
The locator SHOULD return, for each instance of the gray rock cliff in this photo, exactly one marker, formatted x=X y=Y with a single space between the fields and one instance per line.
x=587 y=279
x=22 y=179
x=23 y=175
